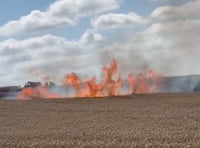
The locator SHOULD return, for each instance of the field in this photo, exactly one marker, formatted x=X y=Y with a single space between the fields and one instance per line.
x=156 y=120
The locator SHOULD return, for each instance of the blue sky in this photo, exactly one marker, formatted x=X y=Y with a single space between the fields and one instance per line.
x=22 y=7
x=11 y=10
x=55 y=37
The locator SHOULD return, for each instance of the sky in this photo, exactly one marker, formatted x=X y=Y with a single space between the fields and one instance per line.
x=55 y=37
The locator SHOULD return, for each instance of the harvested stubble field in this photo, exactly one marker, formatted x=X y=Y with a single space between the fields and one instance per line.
x=155 y=120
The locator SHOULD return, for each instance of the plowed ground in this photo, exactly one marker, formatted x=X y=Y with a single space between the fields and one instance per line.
x=155 y=120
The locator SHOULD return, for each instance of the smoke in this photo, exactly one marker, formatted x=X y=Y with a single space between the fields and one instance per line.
x=181 y=84
x=169 y=44
x=62 y=91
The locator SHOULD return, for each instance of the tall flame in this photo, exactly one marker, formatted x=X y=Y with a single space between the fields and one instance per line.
x=110 y=85
x=89 y=88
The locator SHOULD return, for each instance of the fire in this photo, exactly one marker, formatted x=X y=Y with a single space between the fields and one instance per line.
x=90 y=88
x=73 y=80
x=38 y=92
x=110 y=85
x=144 y=82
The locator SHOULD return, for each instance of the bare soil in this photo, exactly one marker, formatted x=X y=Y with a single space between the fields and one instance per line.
x=155 y=120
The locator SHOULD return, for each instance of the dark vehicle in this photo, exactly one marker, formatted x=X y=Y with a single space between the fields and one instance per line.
x=32 y=84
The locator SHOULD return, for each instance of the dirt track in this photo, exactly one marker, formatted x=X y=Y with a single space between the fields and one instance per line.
x=138 y=121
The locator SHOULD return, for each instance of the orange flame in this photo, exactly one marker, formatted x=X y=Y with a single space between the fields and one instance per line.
x=37 y=92
x=144 y=82
x=89 y=88
x=110 y=85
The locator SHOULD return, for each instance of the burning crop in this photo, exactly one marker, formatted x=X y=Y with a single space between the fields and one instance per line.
x=110 y=85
